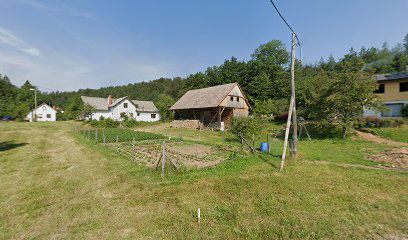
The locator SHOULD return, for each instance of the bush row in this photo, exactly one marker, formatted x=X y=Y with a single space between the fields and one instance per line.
x=110 y=123
x=110 y=135
x=375 y=122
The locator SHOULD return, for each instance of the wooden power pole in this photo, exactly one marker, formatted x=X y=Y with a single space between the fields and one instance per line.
x=292 y=109
x=293 y=91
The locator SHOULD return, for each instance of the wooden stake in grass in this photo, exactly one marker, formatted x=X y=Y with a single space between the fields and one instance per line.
x=198 y=215
x=253 y=143
x=267 y=140
x=163 y=159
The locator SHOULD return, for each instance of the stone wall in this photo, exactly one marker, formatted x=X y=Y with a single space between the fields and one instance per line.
x=195 y=124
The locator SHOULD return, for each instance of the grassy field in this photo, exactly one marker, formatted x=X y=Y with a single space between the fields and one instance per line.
x=396 y=134
x=55 y=184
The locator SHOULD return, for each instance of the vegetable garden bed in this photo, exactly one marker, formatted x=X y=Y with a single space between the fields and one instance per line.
x=184 y=154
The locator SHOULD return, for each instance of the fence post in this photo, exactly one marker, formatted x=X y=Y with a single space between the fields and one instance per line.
x=253 y=143
x=163 y=158
x=291 y=147
x=103 y=133
x=267 y=140
x=242 y=142
x=96 y=135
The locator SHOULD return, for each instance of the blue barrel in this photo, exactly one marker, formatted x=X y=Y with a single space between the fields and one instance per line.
x=264 y=146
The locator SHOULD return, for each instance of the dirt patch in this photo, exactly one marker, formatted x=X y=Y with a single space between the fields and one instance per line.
x=373 y=138
x=180 y=153
x=396 y=157
x=196 y=149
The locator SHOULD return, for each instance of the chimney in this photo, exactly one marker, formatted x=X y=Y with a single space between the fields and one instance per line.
x=110 y=100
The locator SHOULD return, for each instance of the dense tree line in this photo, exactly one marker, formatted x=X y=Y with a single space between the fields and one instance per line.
x=321 y=87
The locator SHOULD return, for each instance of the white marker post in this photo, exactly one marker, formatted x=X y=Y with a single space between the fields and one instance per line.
x=198 y=215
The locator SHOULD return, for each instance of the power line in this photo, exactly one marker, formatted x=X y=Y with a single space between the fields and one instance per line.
x=284 y=20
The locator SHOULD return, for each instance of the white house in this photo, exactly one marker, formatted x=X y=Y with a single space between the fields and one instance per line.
x=113 y=108
x=44 y=113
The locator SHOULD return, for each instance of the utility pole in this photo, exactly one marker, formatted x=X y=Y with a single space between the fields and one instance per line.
x=292 y=108
x=35 y=102
x=293 y=91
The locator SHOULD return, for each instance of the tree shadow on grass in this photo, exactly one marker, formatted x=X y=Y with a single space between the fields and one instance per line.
x=270 y=159
x=8 y=145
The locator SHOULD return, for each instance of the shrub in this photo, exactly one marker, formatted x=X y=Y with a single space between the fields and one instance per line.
x=404 y=111
x=282 y=116
x=94 y=123
x=375 y=122
x=324 y=129
x=109 y=123
x=101 y=118
x=245 y=126
x=398 y=122
x=130 y=123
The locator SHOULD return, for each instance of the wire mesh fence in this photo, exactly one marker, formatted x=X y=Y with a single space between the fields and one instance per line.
x=111 y=135
x=146 y=148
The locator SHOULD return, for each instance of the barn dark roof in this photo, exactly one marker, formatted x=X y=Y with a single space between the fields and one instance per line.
x=391 y=76
x=204 y=97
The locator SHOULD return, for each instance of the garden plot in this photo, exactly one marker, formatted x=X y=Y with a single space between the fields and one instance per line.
x=183 y=154
x=395 y=158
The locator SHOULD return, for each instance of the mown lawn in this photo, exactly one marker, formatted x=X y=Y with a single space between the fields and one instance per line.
x=58 y=185
x=396 y=134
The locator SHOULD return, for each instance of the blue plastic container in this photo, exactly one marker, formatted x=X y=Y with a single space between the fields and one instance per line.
x=264 y=146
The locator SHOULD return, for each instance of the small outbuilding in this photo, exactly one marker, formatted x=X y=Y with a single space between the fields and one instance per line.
x=211 y=106
x=44 y=113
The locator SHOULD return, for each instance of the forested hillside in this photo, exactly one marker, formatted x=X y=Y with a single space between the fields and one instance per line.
x=264 y=79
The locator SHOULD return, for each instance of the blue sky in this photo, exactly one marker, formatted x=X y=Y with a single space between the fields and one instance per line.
x=67 y=45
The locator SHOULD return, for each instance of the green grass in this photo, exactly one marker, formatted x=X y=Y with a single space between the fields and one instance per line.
x=396 y=134
x=56 y=184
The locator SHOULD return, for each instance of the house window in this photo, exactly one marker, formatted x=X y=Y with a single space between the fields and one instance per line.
x=138 y=114
x=153 y=115
x=237 y=99
x=48 y=115
x=394 y=110
x=125 y=105
x=380 y=89
x=404 y=87
x=232 y=98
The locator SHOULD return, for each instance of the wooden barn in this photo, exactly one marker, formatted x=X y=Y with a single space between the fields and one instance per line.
x=213 y=105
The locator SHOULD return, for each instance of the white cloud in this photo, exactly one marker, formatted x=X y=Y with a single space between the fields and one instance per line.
x=8 y=38
x=33 y=51
x=61 y=72
x=59 y=8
